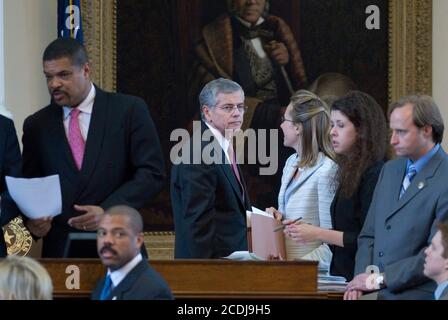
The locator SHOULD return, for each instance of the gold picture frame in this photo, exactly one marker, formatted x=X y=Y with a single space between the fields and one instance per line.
x=99 y=18
x=410 y=47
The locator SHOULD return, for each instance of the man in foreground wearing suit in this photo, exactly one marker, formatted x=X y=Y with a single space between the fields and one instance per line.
x=436 y=261
x=104 y=147
x=209 y=198
x=410 y=196
x=10 y=161
x=129 y=276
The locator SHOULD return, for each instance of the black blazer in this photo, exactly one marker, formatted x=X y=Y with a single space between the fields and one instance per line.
x=142 y=283
x=209 y=211
x=122 y=161
x=10 y=163
x=348 y=215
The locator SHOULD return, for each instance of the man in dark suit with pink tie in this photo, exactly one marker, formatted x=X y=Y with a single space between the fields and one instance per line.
x=104 y=147
x=209 y=196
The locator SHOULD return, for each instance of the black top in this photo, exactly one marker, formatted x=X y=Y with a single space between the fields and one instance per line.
x=348 y=215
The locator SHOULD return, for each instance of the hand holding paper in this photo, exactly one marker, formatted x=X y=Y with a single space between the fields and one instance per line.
x=39 y=227
x=275 y=213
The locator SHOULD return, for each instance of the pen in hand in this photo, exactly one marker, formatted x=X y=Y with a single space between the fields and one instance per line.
x=284 y=225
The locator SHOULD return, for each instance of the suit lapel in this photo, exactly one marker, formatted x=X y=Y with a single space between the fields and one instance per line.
x=225 y=167
x=60 y=143
x=305 y=174
x=420 y=182
x=395 y=182
x=246 y=195
x=95 y=136
x=127 y=283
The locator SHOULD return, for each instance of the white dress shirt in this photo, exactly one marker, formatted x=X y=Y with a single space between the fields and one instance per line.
x=118 y=275
x=223 y=142
x=86 y=108
x=256 y=42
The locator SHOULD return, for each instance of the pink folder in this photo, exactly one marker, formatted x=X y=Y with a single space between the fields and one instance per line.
x=266 y=243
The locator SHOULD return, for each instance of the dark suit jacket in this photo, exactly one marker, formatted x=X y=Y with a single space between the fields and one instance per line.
x=142 y=283
x=348 y=215
x=397 y=230
x=10 y=162
x=122 y=161
x=209 y=211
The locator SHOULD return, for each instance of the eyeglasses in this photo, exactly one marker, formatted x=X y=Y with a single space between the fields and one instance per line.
x=229 y=108
x=283 y=119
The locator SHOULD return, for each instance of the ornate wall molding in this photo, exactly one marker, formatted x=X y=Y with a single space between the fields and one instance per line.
x=99 y=26
x=410 y=47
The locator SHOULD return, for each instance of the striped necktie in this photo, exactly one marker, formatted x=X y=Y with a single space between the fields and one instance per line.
x=410 y=174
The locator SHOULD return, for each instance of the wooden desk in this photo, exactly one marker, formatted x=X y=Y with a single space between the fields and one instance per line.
x=204 y=279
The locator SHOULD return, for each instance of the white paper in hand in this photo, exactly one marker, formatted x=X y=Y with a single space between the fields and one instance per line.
x=262 y=213
x=36 y=197
x=243 y=256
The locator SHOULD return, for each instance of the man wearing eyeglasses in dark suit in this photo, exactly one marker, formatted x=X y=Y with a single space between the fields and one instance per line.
x=258 y=50
x=209 y=196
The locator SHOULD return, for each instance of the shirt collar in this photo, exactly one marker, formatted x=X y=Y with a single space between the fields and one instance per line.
x=440 y=288
x=86 y=106
x=223 y=142
x=118 y=275
x=248 y=24
x=420 y=163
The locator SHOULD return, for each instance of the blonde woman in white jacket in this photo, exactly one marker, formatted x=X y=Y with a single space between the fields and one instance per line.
x=308 y=186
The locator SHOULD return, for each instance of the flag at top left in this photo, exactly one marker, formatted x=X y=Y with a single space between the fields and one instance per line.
x=69 y=20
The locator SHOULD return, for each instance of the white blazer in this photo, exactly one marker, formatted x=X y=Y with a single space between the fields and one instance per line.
x=310 y=199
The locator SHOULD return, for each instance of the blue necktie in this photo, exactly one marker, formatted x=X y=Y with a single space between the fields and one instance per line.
x=410 y=174
x=107 y=288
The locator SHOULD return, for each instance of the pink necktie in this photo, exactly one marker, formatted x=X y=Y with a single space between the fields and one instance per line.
x=75 y=138
x=235 y=168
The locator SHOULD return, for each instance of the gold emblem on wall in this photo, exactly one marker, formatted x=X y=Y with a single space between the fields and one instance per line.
x=17 y=237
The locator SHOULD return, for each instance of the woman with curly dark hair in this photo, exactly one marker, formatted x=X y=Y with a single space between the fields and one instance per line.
x=359 y=138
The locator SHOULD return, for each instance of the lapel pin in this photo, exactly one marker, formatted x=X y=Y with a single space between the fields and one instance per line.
x=421 y=184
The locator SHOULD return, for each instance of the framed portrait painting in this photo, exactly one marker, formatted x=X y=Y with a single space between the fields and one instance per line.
x=145 y=48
